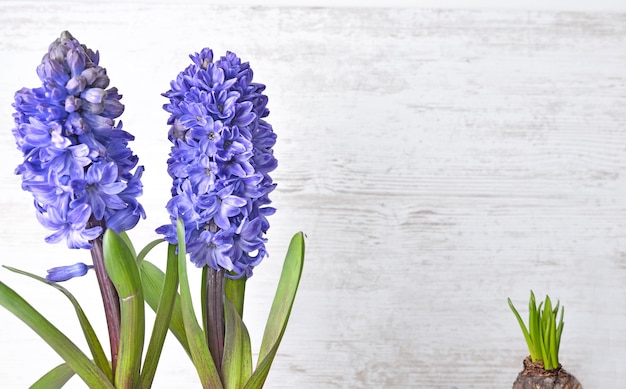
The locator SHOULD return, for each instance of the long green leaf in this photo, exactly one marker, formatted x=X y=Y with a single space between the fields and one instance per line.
x=78 y=361
x=142 y=254
x=123 y=271
x=547 y=312
x=258 y=377
x=280 y=311
x=541 y=346
x=529 y=341
x=162 y=320
x=555 y=311
x=128 y=242
x=237 y=362
x=55 y=378
x=549 y=327
x=94 y=344
x=533 y=328
x=153 y=280
x=200 y=355
x=554 y=357
x=235 y=291
x=559 y=330
x=203 y=300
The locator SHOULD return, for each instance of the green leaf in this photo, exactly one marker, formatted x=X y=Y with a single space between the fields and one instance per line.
x=545 y=333
x=203 y=299
x=257 y=380
x=534 y=328
x=555 y=311
x=554 y=357
x=559 y=330
x=200 y=355
x=62 y=345
x=237 y=362
x=280 y=311
x=547 y=313
x=94 y=344
x=129 y=243
x=123 y=271
x=529 y=341
x=153 y=280
x=539 y=338
x=142 y=254
x=235 y=291
x=55 y=378
x=162 y=319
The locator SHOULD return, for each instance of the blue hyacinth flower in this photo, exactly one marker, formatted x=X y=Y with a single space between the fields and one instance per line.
x=77 y=164
x=220 y=162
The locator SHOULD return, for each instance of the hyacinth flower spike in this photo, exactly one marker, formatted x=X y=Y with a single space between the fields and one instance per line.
x=79 y=169
x=220 y=164
x=77 y=163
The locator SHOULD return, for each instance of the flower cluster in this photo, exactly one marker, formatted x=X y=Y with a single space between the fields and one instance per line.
x=77 y=163
x=220 y=163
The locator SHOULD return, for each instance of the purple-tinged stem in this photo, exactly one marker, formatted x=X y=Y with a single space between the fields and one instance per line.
x=213 y=289
x=110 y=298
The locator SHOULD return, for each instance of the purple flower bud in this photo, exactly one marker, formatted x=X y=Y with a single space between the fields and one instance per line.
x=90 y=75
x=64 y=273
x=94 y=95
x=72 y=104
x=76 y=85
x=76 y=59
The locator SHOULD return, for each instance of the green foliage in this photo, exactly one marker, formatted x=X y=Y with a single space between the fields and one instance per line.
x=543 y=335
x=200 y=355
x=95 y=347
x=153 y=280
x=123 y=268
x=236 y=371
x=55 y=378
x=75 y=358
x=137 y=281
x=237 y=361
x=164 y=313
x=280 y=311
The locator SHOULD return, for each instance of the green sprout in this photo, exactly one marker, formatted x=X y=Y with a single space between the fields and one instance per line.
x=543 y=335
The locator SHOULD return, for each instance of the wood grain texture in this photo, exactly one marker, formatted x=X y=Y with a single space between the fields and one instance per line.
x=439 y=162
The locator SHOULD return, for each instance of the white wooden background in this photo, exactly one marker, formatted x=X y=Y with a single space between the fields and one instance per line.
x=439 y=161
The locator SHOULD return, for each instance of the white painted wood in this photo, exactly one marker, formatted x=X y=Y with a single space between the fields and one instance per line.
x=439 y=162
x=545 y=5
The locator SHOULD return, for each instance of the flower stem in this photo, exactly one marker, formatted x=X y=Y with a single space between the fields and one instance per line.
x=110 y=298
x=213 y=290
